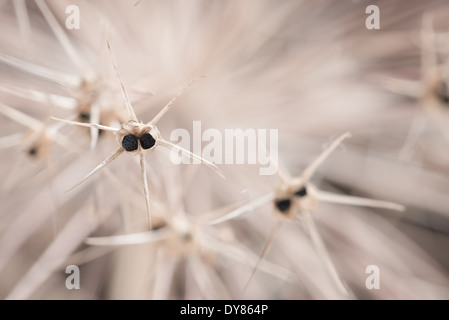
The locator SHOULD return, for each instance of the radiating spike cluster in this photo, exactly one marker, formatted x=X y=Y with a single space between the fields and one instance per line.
x=290 y=195
x=130 y=127
x=72 y=101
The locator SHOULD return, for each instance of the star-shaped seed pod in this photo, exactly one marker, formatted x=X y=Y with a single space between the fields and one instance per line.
x=181 y=238
x=431 y=90
x=295 y=199
x=138 y=138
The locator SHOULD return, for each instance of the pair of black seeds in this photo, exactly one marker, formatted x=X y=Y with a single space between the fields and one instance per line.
x=284 y=204
x=129 y=142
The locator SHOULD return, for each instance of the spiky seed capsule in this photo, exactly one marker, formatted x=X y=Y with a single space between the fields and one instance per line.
x=129 y=143
x=147 y=141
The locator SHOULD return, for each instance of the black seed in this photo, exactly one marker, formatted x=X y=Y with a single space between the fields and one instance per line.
x=84 y=116
x=283 y=205
x=301 y=193
x=443 y=92
x=32 y=151
x=129 y=142
x=147 y=141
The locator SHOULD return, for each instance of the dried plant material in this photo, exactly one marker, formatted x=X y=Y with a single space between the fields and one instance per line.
x=299 y=70
x=431 y=91
x=39 y=138
x=297 y=198
x=177 y=239
x=138 y=138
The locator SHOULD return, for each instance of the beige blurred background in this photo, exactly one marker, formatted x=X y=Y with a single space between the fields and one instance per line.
x=311 y=70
